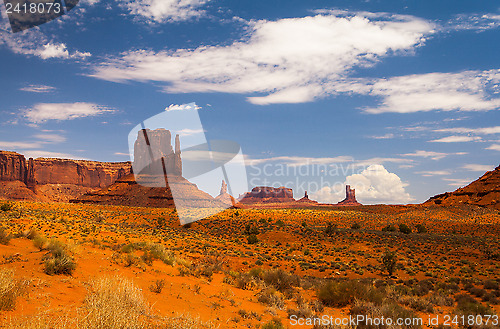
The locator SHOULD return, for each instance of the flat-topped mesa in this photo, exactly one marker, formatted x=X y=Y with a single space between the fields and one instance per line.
x=75 y=172
x=264 y=192
x=350 y=197
x=268 y=194
x=157 y=144
x=54 y=179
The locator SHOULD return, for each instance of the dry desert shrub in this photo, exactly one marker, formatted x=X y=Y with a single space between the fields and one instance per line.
x=43 y=321
x=7 y=290
x=271 y=297
x=57 y=260
x=343 y=293
x=157 y=286
x=114 y=303
x=5 y=237
x=10 y=289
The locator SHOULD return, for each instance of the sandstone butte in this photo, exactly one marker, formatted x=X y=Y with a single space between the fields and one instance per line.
x=151 y=185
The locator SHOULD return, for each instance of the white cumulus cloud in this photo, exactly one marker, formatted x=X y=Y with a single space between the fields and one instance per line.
x=373 y=185
x=164 y=10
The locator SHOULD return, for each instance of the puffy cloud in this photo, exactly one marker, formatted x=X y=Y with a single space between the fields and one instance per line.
x=373 y=185
x=285 y=61
x=165 y=10
x=34 y=42
x=42 y=112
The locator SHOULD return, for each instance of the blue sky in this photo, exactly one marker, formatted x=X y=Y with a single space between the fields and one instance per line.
x=397 y=98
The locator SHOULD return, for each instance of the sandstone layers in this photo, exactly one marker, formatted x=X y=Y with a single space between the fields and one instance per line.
x=54 y=179
x=484 y=192
x=265 y=194
x=159 y=170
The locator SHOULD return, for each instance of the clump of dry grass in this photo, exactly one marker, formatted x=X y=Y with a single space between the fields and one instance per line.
x=5 y=237
x=10 y=289
x=186 y=322
x=43 y=321
x=115 y=303
x=7 y=290
x=58 y=261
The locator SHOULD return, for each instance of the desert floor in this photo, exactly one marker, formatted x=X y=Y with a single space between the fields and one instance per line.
x=87 y=266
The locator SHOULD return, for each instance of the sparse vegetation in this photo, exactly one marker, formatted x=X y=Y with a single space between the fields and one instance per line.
x=5 y=237
x=8 y=292
x=5 y=207
x=389 y=261
x=57 y=260
x=403 y=228
x=157 y=286
x=114 y=302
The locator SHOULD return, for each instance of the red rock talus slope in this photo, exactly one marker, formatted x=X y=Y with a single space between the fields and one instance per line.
x=483 y=192
x=126 y=192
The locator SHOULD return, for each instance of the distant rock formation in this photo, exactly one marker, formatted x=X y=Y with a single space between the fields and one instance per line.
x=484 y=192
x=350 y=198
x=305 y=199
x=56 y=179
x=225 y=197
x=13 y=167
x=157 y=144
x=151 y=185
x=265 y=194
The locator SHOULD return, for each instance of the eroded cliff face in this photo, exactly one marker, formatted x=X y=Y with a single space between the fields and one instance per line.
x=12 y=166
x=56 y=179
x=78 y=172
